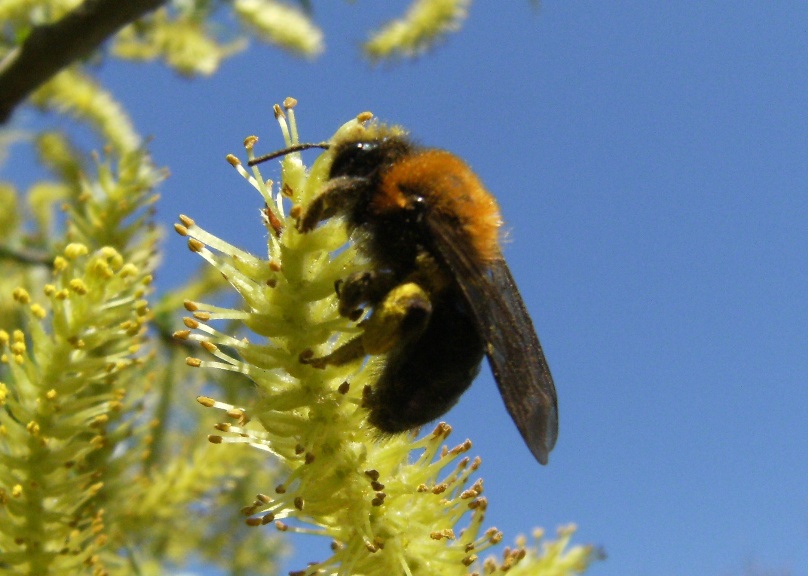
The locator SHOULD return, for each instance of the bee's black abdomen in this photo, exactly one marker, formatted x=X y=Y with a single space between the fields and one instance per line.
x=424 y=378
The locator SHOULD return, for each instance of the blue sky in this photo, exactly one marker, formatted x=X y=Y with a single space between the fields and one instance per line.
x=651 y=161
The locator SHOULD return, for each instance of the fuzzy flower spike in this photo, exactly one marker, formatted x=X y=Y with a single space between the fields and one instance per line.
x=393 y=505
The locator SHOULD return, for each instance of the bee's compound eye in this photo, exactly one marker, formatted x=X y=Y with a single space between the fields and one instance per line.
x=362 y=158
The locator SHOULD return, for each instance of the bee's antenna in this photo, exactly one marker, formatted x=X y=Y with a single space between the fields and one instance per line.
x=289 y=150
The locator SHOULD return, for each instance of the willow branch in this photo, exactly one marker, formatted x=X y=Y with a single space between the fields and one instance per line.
x=28 y=257
x=51 y=47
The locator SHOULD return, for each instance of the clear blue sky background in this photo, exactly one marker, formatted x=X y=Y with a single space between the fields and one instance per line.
x=651 y=160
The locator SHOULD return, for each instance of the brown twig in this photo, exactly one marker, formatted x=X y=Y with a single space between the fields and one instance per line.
x=51 y=47
x=25 y=256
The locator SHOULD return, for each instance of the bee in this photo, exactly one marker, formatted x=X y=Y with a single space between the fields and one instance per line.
x=439 y=293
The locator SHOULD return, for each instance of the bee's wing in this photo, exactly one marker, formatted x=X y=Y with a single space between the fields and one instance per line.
x=512 y=346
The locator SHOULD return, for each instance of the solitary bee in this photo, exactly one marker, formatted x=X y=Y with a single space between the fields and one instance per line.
x=439 y=292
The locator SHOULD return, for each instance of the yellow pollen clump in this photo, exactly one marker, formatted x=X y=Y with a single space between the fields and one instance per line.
x=75 y=250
